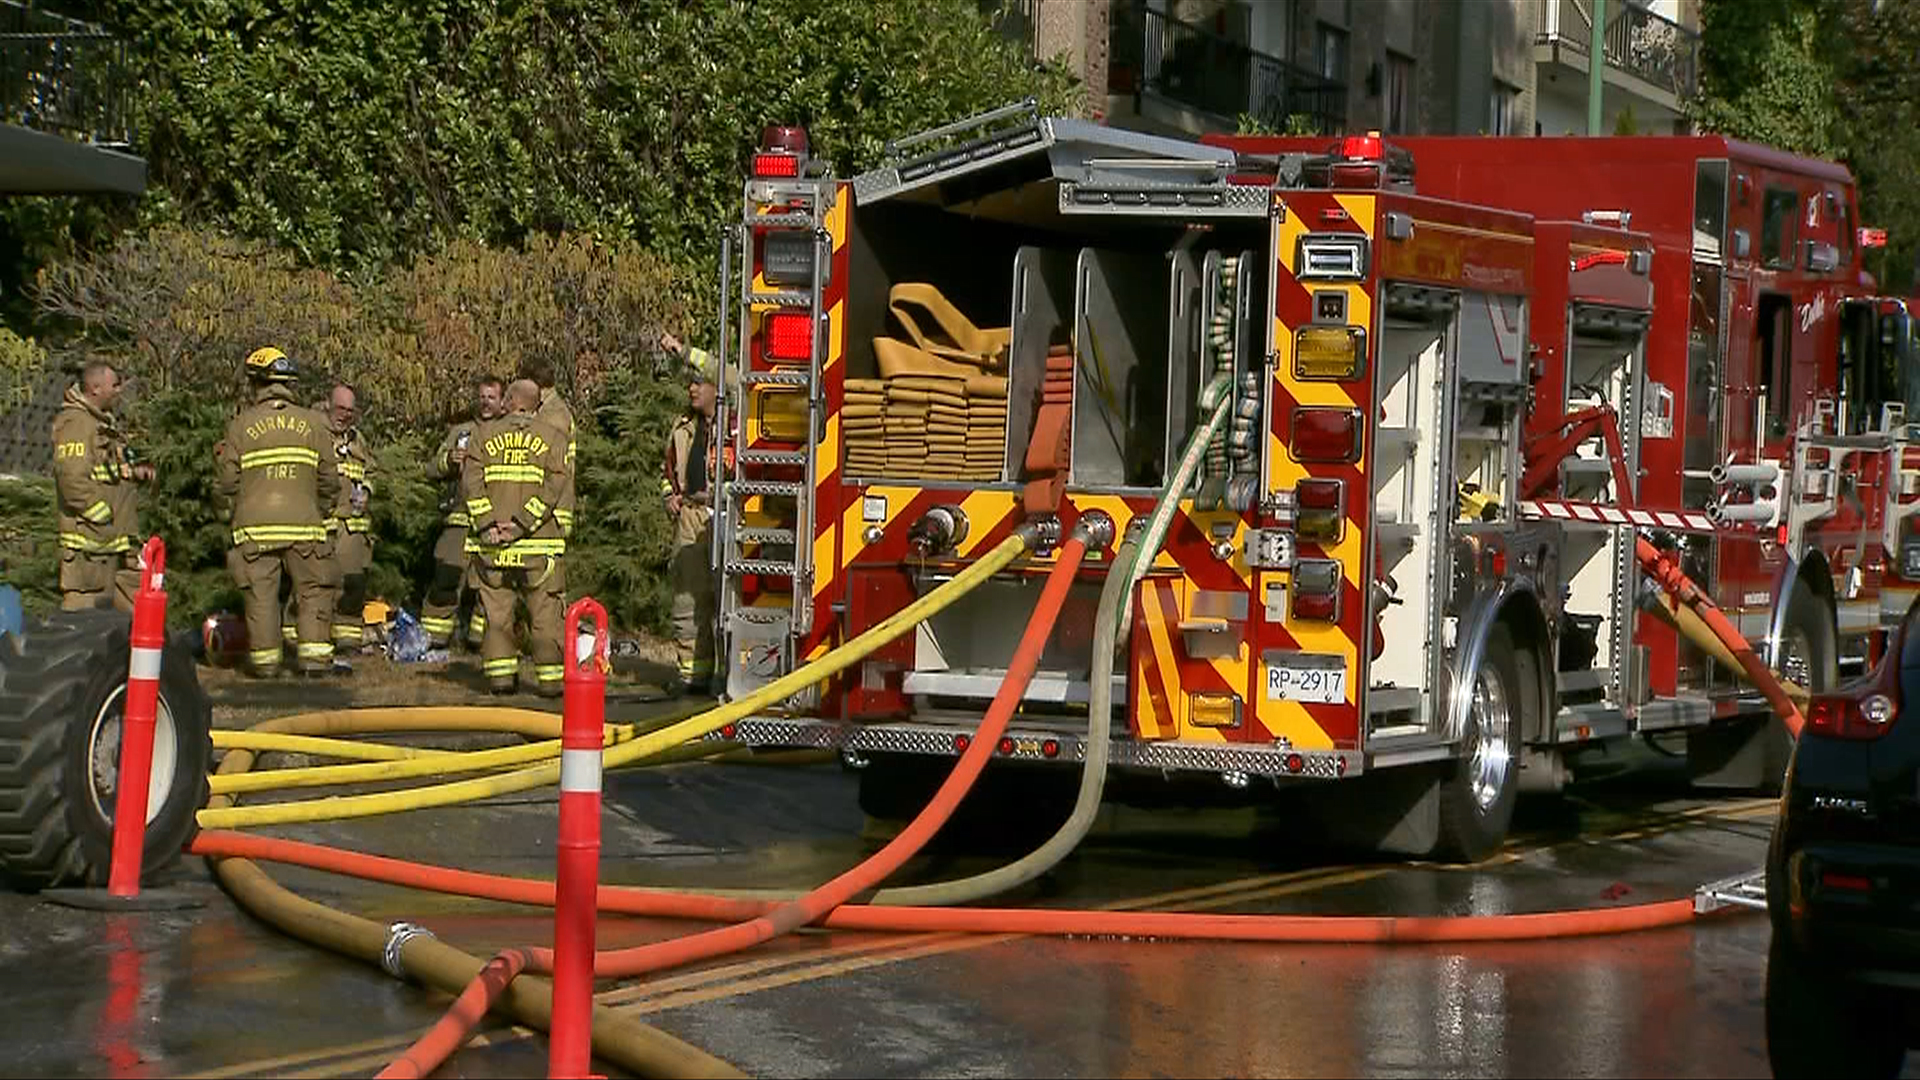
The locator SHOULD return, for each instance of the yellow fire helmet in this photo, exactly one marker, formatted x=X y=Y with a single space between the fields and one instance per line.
x=271 y=365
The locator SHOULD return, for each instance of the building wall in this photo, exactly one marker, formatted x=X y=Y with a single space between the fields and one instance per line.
x=1466 y=55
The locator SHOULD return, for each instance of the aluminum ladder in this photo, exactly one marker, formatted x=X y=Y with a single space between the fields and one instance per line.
x=762 y=482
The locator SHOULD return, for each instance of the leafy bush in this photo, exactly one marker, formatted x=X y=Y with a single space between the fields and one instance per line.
x=30 y=542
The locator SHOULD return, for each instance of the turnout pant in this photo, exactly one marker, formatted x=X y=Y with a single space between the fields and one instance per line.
x=542 y=584
x=88 y=578
x=346 y=600
x=453 y=580
x=693 y=598
x=257 y=572
x=353 y=552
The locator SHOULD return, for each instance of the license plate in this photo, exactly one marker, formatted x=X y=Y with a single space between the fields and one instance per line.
x=1319 y=680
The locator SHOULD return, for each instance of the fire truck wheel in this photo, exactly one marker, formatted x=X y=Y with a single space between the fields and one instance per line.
x=62 y=692
x=1477 y=790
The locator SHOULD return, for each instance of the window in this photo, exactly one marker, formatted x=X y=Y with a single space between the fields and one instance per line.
x=1399 y=93
x=1779 y=216
x=1501 y=105
x=1709 y=210
x=1332 y=53
x=1773 y=327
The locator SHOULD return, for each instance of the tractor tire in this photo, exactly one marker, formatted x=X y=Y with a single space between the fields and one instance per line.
x=1478 y=790
x=62 y=691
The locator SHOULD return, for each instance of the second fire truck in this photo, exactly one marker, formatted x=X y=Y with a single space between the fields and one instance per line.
x=1467 y=375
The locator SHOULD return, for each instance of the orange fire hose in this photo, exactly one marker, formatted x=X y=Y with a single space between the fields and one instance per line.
x=1063 y=922
x=453 y=1030
x=790 y=916
x=1666 y=570
x=766 y=921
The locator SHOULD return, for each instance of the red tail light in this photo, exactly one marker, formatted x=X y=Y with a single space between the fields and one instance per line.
x=1866 y=711
x=779 y=165
x=1330 y=436
x=1846 y=882
x=790 y=335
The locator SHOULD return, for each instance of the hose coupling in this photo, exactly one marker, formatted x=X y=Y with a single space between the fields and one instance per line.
x=940 y=529
x=1045 y=531
x=398 y=934
x=1095 y=529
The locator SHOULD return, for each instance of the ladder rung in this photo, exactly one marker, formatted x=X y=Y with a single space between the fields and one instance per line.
x=777 y=378
x=763 y=536
x=773 y=457
x=762 y=566
x=775 y=488
x=781 y=221
x=784 y=298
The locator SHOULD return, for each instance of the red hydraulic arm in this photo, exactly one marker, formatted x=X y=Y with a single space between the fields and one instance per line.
x=1548 y=448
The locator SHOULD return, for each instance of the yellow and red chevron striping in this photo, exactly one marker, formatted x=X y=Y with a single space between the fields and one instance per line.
x=1299 y=214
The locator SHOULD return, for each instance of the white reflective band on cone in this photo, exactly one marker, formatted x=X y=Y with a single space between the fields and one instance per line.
x=145 y=665
x=580 y=770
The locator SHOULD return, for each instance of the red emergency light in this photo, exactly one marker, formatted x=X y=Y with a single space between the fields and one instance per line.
x=783 y=149
x=1873 y=238
x=790 y=335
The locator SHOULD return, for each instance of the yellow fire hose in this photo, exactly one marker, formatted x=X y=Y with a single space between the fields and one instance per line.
x=627 y=746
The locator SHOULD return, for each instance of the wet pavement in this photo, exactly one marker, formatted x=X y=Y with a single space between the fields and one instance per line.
x=212 y=993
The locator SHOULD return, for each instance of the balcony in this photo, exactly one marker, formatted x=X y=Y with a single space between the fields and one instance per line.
x=1152 y=55
x=64 y=106
x=1658 y=55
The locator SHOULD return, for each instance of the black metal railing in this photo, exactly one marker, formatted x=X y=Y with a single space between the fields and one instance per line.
x=1152 y=52
x=1650 y=47
x=63 y=76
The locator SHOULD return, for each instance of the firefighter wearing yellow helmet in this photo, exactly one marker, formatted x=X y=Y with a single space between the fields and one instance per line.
x=276 y=469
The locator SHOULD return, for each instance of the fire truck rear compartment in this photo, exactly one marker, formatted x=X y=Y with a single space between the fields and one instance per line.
x=1129 y=306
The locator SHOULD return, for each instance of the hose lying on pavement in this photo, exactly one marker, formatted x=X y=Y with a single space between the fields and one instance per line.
x=1054 y=922
x=442 y=1039
x=433 y=1048
x=622 y=751
x=633 y=1046
x=493 y=980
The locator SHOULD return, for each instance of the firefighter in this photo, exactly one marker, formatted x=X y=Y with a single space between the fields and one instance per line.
x=96 y=480
x=686 y=488
x=452 y=569
x=276 y=469
x=515 y=483
x=349 y=526
x=556 y=414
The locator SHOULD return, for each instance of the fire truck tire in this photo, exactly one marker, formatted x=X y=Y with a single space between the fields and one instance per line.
x=62 y=688
x=1477 y=790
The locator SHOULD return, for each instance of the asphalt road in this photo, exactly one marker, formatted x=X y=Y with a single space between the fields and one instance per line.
x=212 y=993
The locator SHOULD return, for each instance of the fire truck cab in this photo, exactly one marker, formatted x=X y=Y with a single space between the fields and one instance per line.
x=1461 y=390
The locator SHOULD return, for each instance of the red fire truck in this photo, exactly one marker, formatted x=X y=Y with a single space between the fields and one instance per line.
x=1466 y=373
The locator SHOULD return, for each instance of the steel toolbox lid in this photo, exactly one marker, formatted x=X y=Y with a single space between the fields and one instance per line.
x=1009 y=164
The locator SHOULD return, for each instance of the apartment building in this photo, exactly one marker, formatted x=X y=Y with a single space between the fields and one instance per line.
x=1509 y=67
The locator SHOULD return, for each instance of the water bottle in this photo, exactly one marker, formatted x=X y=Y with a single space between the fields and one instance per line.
x=407 y=643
